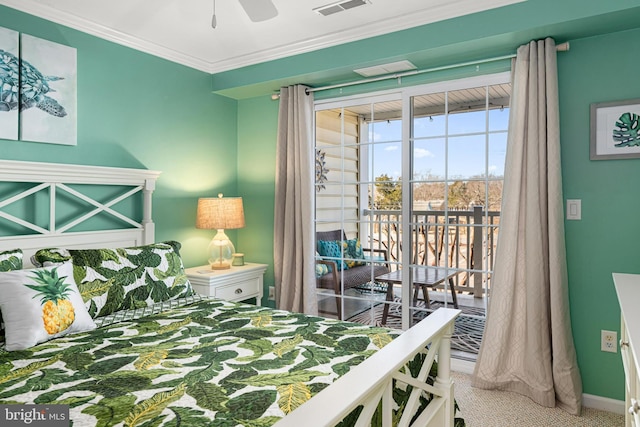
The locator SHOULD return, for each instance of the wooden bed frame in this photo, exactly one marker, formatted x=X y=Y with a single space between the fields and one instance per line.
x=366 y=385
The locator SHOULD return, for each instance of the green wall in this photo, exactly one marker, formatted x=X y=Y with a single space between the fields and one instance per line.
x=598 y=69
x=257 y=135
x=137 y=110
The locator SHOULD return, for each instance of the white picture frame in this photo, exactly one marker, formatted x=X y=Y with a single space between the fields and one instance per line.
x=615 y=130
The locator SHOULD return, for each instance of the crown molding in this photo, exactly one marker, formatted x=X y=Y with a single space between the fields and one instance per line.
x=77 y=23
x=443 y=11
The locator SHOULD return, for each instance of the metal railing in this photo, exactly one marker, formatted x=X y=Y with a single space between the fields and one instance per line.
x=462 y=240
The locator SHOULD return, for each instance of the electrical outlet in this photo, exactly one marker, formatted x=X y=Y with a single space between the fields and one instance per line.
x=609 y=341
x=272 y=293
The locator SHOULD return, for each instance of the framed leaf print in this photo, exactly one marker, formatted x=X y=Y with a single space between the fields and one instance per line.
x=615 y=130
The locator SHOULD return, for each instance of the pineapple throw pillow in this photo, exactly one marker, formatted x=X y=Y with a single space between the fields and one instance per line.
x=41 y=304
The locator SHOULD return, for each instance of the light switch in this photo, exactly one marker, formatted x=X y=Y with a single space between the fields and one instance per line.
x=574 y=209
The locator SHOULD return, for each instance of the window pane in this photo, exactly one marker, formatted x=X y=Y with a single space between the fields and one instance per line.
x=467 y=122
x=386 y=130
x=467 y=111
x=428 y=196
x=385 y=159
x=387 y=193
x=429 y=115
x=429 y=159
x=497 y=154
x=467 y=156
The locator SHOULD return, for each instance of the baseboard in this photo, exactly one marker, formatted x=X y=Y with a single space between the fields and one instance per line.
x=588 y=400
x=603 y=403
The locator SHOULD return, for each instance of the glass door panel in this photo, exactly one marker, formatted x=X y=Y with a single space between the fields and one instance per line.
x=359 y=149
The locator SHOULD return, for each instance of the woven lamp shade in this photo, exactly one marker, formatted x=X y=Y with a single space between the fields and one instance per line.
x=215 y=213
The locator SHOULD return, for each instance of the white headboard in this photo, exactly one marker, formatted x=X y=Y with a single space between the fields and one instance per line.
x=55 y=178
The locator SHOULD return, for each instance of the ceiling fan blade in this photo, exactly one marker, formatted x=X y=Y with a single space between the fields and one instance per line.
x=259 y=10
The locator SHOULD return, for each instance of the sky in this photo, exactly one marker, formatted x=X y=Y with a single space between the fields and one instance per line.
x=467 y=148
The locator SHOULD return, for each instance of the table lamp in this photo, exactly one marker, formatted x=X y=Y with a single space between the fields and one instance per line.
x=220 y=213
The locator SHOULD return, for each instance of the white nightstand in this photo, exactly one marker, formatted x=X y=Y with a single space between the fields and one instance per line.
x=234 y=284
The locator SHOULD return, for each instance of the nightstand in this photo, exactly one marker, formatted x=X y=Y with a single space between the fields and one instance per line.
x=235 y=284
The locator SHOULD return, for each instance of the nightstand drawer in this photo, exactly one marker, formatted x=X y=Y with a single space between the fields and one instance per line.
x=238 y=291
x=237 y=283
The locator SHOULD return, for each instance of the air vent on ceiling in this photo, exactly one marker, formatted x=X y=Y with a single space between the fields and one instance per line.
x=330 y=9
x=389 y=68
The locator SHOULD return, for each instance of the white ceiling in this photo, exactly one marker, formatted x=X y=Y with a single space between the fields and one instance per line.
x=180 y=30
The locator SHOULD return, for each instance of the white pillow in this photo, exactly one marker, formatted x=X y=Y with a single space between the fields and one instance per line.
x=41 y=304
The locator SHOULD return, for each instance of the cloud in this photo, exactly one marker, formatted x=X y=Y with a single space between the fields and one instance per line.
x=422 y=152
x=493 y=168
x=391 y=148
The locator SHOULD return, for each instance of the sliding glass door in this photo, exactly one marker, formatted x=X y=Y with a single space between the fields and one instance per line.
x=415 y=176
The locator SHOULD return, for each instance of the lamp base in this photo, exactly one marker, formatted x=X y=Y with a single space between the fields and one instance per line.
x=220 y=265
x=220 y=252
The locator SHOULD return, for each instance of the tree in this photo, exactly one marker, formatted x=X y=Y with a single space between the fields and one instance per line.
x=388 y=194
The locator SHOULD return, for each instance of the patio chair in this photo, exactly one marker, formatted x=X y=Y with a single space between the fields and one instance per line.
x=353 y=276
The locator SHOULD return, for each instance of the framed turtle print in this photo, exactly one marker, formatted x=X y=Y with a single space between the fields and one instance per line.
x=48 y=82
x=9 y=85
x=615 y=130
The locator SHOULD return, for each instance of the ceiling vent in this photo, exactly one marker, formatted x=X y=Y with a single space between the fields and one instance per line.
x=330 y=9
x=389 y=68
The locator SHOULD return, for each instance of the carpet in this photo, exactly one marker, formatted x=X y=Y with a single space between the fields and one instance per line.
x=468 y=328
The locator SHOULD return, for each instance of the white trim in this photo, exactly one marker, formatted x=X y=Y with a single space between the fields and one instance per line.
x=422 y=89
x=17 y=171
x=588 y=400
x=447 y=10
x=603 y=403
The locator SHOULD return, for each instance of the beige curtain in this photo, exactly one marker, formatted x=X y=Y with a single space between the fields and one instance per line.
x=294 y=267
x=527 y=345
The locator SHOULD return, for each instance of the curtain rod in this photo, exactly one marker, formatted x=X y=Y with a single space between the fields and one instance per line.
x=562 y=47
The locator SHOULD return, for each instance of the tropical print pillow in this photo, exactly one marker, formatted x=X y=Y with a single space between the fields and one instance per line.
x=111 y=280
x=331 y=249
x=321 y=269
x=353 y=251
x=41 y=304
x=11 y=260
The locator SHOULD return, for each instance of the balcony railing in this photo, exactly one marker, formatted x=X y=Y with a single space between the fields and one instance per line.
x=462 y=240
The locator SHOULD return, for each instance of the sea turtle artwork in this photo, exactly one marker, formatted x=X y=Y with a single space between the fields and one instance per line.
x=22 y=83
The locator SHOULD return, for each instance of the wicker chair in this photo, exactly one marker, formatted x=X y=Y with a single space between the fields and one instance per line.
x=350 y=277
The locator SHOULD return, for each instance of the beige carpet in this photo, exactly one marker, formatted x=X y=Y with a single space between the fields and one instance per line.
x=490 y=408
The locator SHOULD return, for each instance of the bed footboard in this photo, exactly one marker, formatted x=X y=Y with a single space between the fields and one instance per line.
x=372 y=382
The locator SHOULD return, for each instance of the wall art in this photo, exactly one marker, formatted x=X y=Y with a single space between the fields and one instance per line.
x=9 y=83
x=48 y=80
x=615 y=130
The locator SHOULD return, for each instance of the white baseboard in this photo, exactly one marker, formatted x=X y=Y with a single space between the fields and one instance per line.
x=588 y=400
x=603 y=403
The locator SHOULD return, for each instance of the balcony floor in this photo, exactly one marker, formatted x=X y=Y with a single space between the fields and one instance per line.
x=366 y=308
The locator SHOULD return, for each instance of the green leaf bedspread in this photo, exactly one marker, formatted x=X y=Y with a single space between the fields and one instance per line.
x=202 y=362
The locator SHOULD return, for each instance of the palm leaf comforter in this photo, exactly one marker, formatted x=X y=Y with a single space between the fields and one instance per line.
x=188 y=362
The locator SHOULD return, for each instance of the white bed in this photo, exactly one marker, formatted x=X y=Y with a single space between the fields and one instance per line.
x=366 y=384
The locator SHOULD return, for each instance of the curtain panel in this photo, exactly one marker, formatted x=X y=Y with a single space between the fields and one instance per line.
x=527 y=345
x=294 y=242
